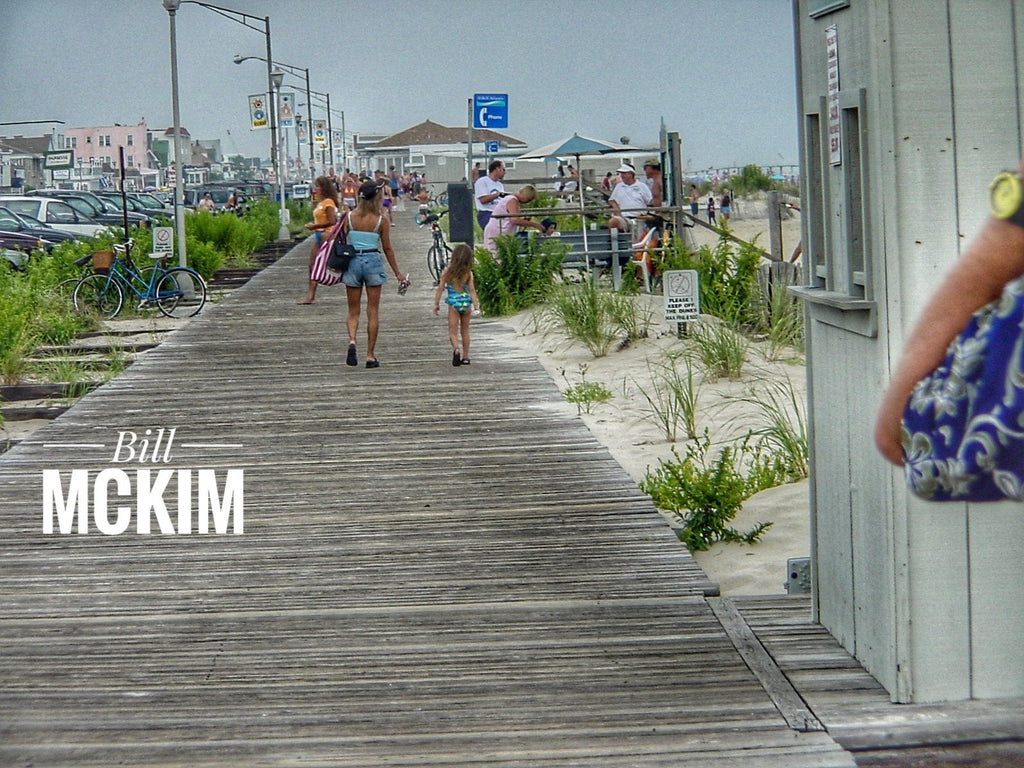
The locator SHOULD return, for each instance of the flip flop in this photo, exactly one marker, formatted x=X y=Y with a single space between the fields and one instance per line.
x=373 y=363
x=456 y=360
x=352 y=358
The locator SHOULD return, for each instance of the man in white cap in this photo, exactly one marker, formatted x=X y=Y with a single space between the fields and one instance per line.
x=628 y=199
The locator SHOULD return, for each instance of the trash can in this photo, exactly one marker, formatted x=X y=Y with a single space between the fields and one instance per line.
x=460 y=214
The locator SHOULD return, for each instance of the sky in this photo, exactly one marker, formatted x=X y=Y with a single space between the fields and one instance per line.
x=722 y=74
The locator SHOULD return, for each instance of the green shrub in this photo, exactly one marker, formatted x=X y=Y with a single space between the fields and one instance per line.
x=204 y=257
x=727 y=275
x=515 y=280
x=585 y=394
x=750 y=179
x=707 y=493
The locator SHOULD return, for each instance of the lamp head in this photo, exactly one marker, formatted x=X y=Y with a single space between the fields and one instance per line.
x=239 y=58
x=171 y=5
x=277 y=77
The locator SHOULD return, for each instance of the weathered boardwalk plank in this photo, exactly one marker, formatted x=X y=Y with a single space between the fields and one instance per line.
x=440 y=567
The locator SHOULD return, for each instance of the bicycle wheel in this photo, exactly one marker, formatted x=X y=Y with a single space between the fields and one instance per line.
x=98 y=295
x=437 y=260
x=181 y=292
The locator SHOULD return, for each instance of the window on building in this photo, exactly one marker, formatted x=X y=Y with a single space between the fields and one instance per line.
x=131 y=140
x=131 y=161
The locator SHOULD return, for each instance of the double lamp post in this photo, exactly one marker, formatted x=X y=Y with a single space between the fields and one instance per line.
x=274 y=80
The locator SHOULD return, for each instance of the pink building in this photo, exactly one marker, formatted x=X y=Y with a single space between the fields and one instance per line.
x=97 y=153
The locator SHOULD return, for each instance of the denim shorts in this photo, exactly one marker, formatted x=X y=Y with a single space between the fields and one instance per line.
x=365 y=269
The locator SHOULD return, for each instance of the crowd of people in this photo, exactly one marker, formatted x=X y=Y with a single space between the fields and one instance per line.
x=365 y=204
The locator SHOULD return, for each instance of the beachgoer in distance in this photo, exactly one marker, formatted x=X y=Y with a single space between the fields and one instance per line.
x=505 y=220
x=386 y=201
x=325 y=216
x=487 y=190
x=993 y=258
x=349 y=191
x=395 y=185
x=711 y=209
x=726 y=206
x=694 y=200
x=457 y=280
x=369 y=232
x=207 y=204
x=628 y=199
x=652 y=170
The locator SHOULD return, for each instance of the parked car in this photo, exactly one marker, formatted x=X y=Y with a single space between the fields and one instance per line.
x=119 y=200
x=154 y=202
x=15 y=247
x=93 y=206
x=219 y=192
x=53 y=212
x=26 y=225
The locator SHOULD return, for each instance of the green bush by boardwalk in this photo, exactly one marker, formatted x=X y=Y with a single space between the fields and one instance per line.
x=35 y=312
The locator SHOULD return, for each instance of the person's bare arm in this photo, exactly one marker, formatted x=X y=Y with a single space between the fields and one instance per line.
x=389 y=252
x=992 y=259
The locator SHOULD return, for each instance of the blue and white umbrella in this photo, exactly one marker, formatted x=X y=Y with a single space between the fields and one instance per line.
x=577 y=146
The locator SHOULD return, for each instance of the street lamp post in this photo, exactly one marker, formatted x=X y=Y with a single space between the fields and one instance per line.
x=326 y=97
x=276 y=78
x=179 y=192
x=241 y=18
x=294 y=71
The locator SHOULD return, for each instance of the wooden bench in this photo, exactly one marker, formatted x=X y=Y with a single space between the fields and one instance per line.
x=602 y=251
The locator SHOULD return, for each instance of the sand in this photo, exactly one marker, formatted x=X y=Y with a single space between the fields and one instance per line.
x=624 y=425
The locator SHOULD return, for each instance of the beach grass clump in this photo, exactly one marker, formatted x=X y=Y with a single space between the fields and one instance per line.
x=782 y=434
x=722 y=349
x=585 y=314
x=672 y=395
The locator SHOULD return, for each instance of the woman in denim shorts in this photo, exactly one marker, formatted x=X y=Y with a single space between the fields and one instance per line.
x=369 y=232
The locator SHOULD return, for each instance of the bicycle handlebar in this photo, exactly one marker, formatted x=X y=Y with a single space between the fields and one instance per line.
x=430 y=218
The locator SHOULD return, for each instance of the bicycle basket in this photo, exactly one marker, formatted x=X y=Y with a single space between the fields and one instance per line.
x=102 y=260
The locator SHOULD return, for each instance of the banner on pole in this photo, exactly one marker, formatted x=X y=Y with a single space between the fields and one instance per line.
x=320 y=133
x=258 y=111
x=287 y=116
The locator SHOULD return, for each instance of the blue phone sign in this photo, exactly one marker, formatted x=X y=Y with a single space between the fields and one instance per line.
x=490 y=110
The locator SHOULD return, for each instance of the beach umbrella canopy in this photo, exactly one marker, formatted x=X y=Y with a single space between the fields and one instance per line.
x=576 y=145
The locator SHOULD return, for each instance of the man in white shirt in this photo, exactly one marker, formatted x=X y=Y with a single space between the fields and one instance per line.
x=628 y=194
x=486 y=191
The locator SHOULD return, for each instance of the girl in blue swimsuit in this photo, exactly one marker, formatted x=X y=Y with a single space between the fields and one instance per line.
x=457 y=279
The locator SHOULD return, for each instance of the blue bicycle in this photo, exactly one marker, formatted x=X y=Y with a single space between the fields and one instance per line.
x=176 y=292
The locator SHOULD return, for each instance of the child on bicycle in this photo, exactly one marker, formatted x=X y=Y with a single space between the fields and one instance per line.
x=457 y=278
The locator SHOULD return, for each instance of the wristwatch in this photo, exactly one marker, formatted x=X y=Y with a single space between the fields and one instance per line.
x=1005 y=195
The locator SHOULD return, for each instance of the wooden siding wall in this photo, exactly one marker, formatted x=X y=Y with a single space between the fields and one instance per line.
x=928 y=597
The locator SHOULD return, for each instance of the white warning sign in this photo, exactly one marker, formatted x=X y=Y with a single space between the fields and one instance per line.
x=682 y=296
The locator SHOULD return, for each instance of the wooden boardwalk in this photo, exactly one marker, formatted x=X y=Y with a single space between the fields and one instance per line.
x=439 y=567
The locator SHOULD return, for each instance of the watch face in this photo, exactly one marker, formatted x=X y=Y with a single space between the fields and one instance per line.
x=1005 y=195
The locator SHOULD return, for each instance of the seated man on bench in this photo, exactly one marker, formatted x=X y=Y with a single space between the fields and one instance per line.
x=628 y=200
